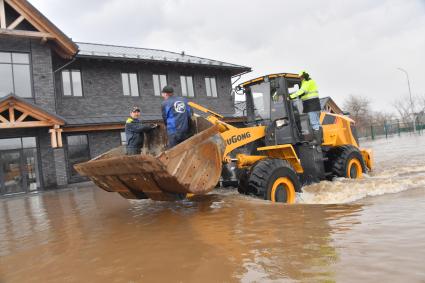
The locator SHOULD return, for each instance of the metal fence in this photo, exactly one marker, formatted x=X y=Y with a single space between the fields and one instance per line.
x=389 y=129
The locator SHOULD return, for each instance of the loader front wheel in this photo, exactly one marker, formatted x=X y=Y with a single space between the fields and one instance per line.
x=275 y=180
x=243 y=176
x=347 y=161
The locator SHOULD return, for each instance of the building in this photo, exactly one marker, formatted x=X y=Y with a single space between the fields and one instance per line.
x=64 y=102
x=329 y=105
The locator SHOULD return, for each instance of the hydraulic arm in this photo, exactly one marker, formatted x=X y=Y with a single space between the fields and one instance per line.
x=233 y=137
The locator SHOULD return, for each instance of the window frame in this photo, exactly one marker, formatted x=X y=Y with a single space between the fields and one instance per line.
x=186 y=76
x=210 y=89
x=75 y=178
x=129 y=84
x=159 y=80
x=71 y=83
x=22 y=64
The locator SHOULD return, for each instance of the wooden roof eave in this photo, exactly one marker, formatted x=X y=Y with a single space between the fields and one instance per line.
x=31 y=110
x=41 y=23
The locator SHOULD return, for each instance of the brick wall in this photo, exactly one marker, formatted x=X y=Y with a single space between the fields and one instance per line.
x=47 y=161
x=103 y=95
x=60 y=166
x=43 y=83
x=100 y=142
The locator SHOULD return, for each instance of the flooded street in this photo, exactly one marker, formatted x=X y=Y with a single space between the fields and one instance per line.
x=371 y=230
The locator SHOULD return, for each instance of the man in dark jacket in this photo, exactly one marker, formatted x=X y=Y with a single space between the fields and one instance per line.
x=176 y=114
x=134 y=132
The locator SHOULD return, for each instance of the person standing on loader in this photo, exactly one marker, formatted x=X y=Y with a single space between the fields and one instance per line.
x=311 y=103
x=176 y=114
x=134 y=132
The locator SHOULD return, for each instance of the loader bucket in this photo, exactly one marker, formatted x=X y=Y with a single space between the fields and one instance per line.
x=193 y=166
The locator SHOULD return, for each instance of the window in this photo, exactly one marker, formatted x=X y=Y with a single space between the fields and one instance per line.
x=71 y=83
x=187 y=86
x=123 y=138
x=19 y=165
x=77 y=152
x=211 y=86
x=159 y=81
x=15 y=74
x=130 y=85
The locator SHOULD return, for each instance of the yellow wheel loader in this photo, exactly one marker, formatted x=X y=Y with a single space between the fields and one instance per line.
x=275 y=152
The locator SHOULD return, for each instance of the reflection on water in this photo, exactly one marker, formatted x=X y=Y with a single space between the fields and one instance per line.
x=215 y=237
x=89 y=235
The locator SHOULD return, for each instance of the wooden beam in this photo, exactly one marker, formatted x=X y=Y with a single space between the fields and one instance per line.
x=11 y=113
x=53 y=140
x=3 y=120
x=2 y=15
x=43 y=25
x=31 y=113
x=93 y=128
x=16 y=6
x=37 y=114
x=16 y=22
x=25 y=125
x=22 y=117
x=25 y=33
x=59 y=136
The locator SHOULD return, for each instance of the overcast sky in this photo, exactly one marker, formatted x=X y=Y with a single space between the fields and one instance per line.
x=348 y=47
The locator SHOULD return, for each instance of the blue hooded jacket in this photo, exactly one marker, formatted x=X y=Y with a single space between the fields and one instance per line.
x=176 y=114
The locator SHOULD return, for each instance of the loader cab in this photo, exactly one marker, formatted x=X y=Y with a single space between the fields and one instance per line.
x=268 y=104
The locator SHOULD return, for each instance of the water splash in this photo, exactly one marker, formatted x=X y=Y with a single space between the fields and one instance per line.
x=392 y=180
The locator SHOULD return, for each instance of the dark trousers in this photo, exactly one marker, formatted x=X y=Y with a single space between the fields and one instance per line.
x=175 y=139
x=133 y=151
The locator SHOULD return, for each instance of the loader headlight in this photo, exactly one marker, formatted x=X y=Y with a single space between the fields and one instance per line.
x=281 y=122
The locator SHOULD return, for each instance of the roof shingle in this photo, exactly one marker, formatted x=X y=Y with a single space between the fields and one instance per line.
x=123 y=52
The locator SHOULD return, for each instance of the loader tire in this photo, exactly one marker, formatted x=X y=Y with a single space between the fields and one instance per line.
x=242 y=175
x=346 y=161
x=274 y=179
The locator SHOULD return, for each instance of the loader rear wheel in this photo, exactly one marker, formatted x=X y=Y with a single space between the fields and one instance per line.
x=275 y=180
x=243 y=176
x=347 y=161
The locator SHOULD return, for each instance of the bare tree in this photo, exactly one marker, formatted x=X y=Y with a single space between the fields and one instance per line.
x=421 y=112
x=421 y=103
x=404 y=108
x=359 y=108
x=381 y=117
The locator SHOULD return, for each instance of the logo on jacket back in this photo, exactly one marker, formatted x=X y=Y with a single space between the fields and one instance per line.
x=179 y=107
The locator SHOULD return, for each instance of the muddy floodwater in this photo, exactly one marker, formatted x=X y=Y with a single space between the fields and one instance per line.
x=371 y=230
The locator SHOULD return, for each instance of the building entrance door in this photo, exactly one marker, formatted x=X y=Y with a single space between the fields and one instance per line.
x=18 y=166
x=11 y=177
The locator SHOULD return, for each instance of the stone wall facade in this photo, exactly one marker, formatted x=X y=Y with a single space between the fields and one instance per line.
x=103 y=92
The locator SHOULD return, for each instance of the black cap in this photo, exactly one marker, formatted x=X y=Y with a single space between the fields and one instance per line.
x=135 y=109
x=168 y=89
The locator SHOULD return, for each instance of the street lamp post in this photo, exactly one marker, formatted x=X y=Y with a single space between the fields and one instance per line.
x=411 y=101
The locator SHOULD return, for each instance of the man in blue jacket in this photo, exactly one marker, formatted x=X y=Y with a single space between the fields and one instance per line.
x=134 y=132
x=176 y=114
